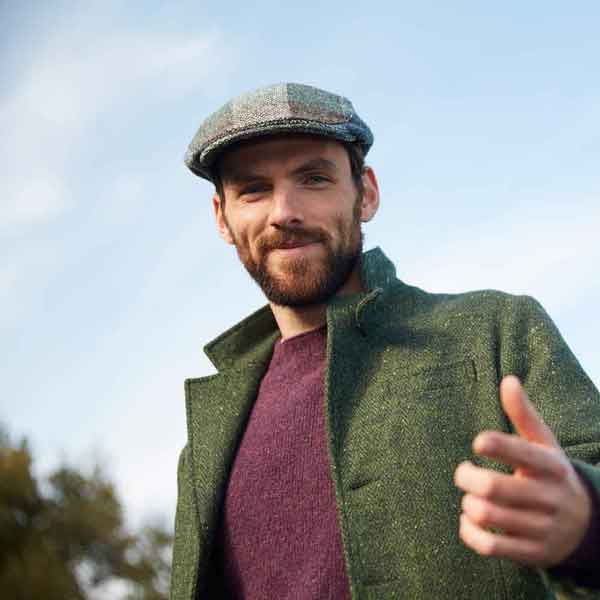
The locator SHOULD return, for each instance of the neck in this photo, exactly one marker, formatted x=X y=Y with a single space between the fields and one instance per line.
x=294 y=320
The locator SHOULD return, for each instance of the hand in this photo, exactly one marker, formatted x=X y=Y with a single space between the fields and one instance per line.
x=542 y=509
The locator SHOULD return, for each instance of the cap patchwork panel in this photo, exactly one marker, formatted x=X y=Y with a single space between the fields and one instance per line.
x=276 y=109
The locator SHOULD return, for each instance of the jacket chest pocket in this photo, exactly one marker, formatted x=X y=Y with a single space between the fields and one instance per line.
x=402 y=446
x=411 y=425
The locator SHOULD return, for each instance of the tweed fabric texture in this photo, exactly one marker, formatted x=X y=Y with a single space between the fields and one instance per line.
x=411 y=379
x=286 y=108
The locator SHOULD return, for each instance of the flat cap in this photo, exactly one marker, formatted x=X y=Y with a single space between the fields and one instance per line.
x=277 y=109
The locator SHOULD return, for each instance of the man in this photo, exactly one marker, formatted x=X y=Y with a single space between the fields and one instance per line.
x=362 y=437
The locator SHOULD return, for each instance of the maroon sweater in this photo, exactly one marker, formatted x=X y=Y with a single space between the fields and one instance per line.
x=279 y=535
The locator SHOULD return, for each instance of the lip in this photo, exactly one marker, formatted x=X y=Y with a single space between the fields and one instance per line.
x=295 y=248
x=294 y=245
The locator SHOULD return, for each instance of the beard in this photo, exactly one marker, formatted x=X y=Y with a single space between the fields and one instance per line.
x=303 y=281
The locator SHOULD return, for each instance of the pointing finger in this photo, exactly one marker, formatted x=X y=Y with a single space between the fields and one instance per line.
x=526 y=420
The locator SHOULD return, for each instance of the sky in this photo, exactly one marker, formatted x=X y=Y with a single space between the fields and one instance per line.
x=112 y=277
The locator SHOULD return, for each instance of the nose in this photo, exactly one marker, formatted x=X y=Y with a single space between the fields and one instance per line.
x=286 y=208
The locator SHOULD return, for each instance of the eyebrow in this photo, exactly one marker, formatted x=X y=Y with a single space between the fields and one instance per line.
x=314 y=165
x=241 y=177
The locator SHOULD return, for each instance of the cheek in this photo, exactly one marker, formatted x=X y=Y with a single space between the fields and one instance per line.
x=245 y=238
x=348 y=223
x=247 y=223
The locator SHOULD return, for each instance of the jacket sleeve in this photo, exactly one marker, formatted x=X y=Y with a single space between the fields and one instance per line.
x=184 y=572
x=568 y=401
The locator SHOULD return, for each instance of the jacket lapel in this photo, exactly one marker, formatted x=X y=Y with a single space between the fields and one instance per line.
x=217 y=410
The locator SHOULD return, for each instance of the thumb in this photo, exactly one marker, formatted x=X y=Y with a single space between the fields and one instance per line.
x=526 y=420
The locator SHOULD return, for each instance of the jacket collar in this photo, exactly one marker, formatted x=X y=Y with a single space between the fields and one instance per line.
x=250 y=341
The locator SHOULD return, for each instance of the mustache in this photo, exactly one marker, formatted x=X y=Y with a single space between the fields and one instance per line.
x=285 y=236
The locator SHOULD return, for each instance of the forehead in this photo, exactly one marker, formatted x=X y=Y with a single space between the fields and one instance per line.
x=266 y=153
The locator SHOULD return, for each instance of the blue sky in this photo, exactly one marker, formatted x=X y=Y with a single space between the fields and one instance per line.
x=112 y=278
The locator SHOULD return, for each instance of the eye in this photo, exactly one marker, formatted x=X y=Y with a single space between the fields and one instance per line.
x=316 y=179
x=254 y=188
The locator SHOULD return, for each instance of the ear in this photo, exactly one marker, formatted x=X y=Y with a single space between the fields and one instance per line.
x=370 y=200
x=222 y=226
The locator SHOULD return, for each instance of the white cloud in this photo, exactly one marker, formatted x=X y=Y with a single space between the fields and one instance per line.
x=75 y=77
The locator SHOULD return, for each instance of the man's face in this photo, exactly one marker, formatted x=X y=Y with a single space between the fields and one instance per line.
x=293 y=212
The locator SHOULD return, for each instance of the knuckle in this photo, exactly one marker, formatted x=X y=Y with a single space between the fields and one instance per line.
x=489 y=487
x=561 y=470
x=488 y=546
x=546 y=525
x=490 y=439
x=483 y=514
x=553 y=508
x=465 y=503
x=460 y=473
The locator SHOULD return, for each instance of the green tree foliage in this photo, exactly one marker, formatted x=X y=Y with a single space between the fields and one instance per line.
x=70 y=539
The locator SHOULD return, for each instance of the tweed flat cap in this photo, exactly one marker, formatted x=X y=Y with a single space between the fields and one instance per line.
x=276 y=109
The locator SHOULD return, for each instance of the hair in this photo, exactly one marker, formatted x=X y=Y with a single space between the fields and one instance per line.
x=356 y=154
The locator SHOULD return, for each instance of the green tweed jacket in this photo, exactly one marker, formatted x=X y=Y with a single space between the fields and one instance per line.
x=411 y=378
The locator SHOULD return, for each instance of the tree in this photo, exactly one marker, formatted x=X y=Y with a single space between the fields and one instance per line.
x=70 y=540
